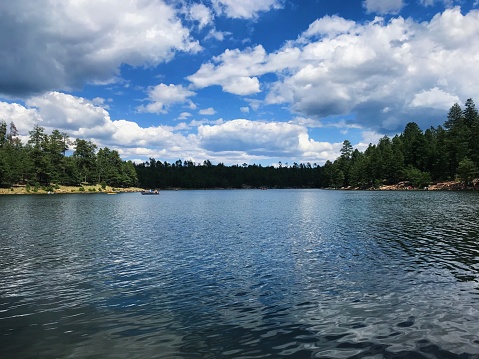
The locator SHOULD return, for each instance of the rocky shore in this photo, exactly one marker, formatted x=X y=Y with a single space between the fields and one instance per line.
x=440 y=186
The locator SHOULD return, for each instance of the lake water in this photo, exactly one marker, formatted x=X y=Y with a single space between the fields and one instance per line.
x=240 y=274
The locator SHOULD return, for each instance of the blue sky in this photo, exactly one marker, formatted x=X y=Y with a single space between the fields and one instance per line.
x=251 y=81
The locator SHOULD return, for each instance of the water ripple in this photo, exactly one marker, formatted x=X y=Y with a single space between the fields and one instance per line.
x=240 y=274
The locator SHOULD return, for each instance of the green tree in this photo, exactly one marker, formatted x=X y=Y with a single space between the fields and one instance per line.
x=471 y=121
x=37 y=152
x=457 y=139
x=414 y=149
x=467 y=170
x=85 y=157
x=357 y=172
x=56 y=148
x=130 y=178
x=392 y=161
x=344 y=163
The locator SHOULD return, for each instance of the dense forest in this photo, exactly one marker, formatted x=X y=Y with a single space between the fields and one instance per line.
x=448 y=152
x=42 y=162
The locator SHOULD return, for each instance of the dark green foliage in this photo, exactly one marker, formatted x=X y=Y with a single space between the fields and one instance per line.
x=157 y=174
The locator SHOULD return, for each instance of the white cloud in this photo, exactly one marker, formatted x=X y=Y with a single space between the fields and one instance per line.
x=254 y=104
x=266 y=138
x=162 y=96
x=374 y=70
x=307 y=122
x=242 y=85
x=23 y=118
x=447 y=3
x=201 y=14
x=434 y=98
x=80 y=118
x=207 y=111
x=242 y=134
x=99 y=101
x=184 y=116
x=329 y=25
x=217 y=35
x=244 y=109
x=65 y=44
x=235 y=141
x=59 y=110
x=245 y=9
x=233 y=70
x=383 y=6
x=368 y=137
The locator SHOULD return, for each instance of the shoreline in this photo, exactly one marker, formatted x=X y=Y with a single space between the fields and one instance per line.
x=91 y=189
x=87 y=189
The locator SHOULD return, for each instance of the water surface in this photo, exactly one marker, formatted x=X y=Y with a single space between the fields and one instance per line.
x=240 y=274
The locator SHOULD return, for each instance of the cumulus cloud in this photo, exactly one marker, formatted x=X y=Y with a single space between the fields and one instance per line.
x=272 y=138
x=434 y=98
x=383 y=72
x=80 y=118
x=245 y=9
x=233 y=70
x=65 y=44
x=162 y=96
x=234 y=141
x=383 y=6
x=60 y=110
x=242 y=85
x=23 y=118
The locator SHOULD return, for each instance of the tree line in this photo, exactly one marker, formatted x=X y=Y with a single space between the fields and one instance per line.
x=42 y=161
x=448 y=152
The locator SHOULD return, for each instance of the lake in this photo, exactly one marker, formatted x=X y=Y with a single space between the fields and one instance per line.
x=240 y=274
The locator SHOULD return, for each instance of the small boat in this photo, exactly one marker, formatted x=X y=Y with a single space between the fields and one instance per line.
x=150 y=192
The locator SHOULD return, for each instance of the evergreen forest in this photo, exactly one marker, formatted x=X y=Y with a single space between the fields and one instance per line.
x=42 y=161
x=442 y=153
